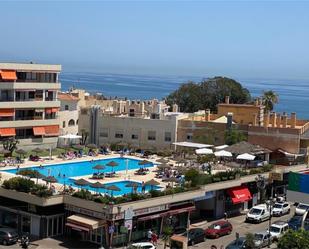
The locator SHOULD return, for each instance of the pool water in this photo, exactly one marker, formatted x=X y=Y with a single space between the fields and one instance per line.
x=65 y=171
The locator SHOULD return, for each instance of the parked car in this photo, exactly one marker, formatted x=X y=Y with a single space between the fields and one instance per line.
x=219 y=229
x=258 y=213
x=142 y=245
x=295 y=222
x=278 y=228
x=301 y=209
x=237 y=244
x=8 y=236
x=195 y=235
x=281 y=208
x=261 y=239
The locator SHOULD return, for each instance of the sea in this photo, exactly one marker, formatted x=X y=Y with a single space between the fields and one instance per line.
x=293 y=94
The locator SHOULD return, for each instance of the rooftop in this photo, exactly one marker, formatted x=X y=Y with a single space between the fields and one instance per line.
x=30 y=67
x=67 y=97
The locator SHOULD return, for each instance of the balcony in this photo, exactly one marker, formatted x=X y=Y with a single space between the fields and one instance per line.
x=29 y=123
x=29 y=85
x=29 y=104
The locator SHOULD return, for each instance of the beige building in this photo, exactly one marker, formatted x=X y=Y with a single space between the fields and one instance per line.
x=28 y=103
x=144 y=133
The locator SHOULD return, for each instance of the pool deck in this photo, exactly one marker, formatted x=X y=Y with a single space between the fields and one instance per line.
x=120 y=175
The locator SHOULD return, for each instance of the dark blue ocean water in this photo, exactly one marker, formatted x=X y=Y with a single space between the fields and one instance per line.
x=293 y=94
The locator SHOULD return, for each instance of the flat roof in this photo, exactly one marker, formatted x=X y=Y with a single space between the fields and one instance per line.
x=192 y=145
x=30 y=66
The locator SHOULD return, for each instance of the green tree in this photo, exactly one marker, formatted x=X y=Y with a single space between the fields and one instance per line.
x=187 y=97
x=234 y=136
x=269 y=99
x=249 y=243
x=191 y=97
x=10 y=144
x=214 y=91
x=294 y=240
x=166 y=235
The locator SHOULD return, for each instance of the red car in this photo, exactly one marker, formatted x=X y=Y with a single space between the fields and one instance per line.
x=219 y=229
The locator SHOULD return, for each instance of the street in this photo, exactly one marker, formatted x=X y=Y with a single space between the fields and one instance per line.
x=239 y=226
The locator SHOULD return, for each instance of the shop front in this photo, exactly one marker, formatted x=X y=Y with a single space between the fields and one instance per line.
x=86 y=228
x=144 y=220
x=236 y=200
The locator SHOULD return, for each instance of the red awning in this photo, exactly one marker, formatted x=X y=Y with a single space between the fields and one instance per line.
x=8 y=74
x=54 y=109
x=39 y=130
x=7 y=132
x=6 y=112
x=77 y=227
x=52 y=130
x=239 y=194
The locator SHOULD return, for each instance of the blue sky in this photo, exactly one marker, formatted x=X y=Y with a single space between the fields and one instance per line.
x=240 y=39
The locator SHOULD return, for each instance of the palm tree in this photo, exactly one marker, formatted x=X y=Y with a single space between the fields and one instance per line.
x=270 y=98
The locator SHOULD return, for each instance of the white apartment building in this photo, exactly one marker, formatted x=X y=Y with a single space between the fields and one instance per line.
x=28 y=103
x=68 y=114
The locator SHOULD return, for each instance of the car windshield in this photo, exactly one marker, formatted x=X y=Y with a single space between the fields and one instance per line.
x=275 y=229
x=258 y=236
x=296 y=219
x=215 y=226
x=303 y=206
x=255 y=211
x=278 y=205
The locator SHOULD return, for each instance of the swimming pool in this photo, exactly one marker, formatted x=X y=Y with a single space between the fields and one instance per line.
x=64 y=172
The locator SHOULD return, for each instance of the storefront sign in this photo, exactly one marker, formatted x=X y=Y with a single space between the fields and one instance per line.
x=149 y=210
x=85 y=211
x=128 y=224
x=129 y=213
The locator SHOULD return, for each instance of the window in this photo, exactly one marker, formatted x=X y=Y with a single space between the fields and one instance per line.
x=104 y=133
x=134 y=136
x=151 y=135
x=118 y=135
x=63 y=124
x=71 y=122
x=189 y=137
x=66 y=107
x=167 y=136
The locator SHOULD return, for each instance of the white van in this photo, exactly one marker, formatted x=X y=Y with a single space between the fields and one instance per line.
x=258 y=213
x=278 y=228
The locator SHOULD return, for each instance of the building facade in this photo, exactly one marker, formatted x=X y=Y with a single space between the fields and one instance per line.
x=144 y=133
x=28 y=103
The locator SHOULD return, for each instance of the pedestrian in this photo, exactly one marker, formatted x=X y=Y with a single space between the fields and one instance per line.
x=225 y=215
x=149 y=235
x=154 y=238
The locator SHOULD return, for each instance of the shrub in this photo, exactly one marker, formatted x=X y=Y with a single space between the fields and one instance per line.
x=83 y=194
x=192 y=175
x=256 y=171
x=155 y=193
x=41 y=190
x=19 y=184
x=267 y=167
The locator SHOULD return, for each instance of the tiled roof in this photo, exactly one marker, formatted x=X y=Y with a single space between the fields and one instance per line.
x=67 y=96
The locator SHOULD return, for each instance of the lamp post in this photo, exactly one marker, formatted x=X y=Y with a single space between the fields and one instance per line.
x=269 y=204
x=261 y=184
